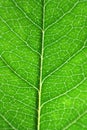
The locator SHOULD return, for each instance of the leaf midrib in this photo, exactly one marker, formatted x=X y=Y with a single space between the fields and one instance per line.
x=41 y=67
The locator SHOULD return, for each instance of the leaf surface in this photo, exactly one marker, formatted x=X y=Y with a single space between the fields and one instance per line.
x=43 y=65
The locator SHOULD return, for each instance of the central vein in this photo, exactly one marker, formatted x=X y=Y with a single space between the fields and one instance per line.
x=41 y=68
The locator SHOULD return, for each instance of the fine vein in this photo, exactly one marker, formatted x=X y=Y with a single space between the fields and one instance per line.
x=41 y=67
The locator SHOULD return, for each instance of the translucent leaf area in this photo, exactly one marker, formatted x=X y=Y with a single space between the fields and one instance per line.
x=43 y=64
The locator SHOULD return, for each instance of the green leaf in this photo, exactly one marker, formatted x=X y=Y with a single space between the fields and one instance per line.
x=43 y=64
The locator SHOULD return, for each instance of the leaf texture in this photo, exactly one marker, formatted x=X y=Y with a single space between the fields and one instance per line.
x=43 y=64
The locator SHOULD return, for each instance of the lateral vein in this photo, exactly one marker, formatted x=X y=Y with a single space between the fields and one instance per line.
x=8 y=122
x=5 y=62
